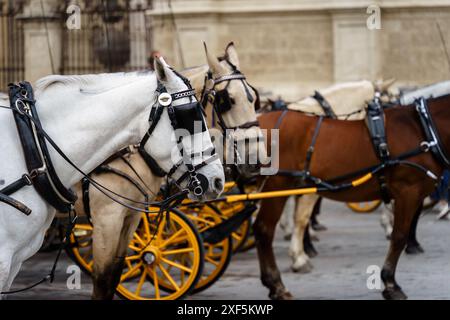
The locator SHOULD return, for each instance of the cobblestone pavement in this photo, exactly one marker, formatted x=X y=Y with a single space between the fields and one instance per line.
x=352 y=243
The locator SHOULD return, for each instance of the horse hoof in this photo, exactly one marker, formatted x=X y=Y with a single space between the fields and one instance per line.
x=394 y=294
x=284 y=295
x=311 y=252
x=319 y=227
x=304 y=268
x=414 y=249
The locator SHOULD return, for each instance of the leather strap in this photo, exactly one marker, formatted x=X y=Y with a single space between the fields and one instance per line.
x=327 y=109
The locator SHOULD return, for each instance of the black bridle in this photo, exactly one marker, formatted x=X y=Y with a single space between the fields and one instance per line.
x=222 y=102
x=181 y=117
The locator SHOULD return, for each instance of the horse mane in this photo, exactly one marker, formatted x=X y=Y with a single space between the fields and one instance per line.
x=92 y=83
x=434 y=91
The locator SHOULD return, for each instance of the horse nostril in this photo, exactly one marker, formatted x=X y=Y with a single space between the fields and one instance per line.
x=218 y=184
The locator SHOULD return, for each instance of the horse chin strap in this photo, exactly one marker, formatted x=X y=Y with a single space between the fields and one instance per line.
x=197 y=183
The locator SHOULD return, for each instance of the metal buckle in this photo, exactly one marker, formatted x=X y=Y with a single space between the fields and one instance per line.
x=425 y=146
x=28 y=179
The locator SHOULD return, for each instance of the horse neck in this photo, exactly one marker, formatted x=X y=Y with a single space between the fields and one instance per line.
x=89 y=128
x=440 y=111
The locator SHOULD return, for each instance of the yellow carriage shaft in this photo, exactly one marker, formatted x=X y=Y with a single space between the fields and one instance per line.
x=288 y=193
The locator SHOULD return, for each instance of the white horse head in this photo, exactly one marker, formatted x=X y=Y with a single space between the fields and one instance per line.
x=198 y=143
x=244 y=100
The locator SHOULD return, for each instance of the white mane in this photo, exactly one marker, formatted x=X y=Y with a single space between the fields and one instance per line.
x=92 y=83
x=433 y=91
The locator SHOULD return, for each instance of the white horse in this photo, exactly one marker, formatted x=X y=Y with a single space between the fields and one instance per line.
x=90 y=118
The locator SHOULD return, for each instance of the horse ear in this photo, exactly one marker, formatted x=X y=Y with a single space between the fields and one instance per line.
x=387 y=83
x=214 y=63
x=232 y=55
x=160 y=69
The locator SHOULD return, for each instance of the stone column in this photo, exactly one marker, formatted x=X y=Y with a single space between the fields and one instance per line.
x=357 y=50
x=138 y=34
x=43 y=38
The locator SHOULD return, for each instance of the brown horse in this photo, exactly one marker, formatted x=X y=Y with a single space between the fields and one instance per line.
x=343 y=147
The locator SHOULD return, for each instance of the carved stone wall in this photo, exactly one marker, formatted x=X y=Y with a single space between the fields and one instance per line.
x=291 y=47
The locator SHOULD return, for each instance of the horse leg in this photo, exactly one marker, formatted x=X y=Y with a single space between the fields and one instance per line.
x=264 y=230
x=5 y=269
x=387 y=220
x=315 y=224
x=130 y=225
x=413 y=246
x=308 y=245
x=286 y=220
x=304 y=208
x=107 y=227
x=404 y=210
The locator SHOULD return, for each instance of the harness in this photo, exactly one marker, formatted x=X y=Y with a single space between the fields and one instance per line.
x=327 y=109
x=43 y=177
x=41 y=173
x=221 y=100
x=181 y=117
x=376 y=125
x=222 y=103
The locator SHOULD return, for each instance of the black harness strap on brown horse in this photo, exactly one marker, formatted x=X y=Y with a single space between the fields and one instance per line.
x=310 y=151
x=327 y=109
x=377 y=131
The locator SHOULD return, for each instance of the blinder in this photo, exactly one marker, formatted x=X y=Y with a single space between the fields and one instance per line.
x=187 y=115
x=223 y=101
x=181 y=117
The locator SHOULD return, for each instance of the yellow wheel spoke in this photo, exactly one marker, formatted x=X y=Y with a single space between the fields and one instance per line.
x=161 y=227
x=177 y=265
x=132 y=247
x=155 y=282
x=236 y=236
x=139 y=239
x=131 y=271
x=176 y=251
x=146 y=226
x=172 y=238
x=132 y=258
x=212 y=261
x=168 y=277
x=141 y=282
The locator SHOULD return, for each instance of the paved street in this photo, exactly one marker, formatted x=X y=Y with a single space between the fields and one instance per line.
x=352 y=243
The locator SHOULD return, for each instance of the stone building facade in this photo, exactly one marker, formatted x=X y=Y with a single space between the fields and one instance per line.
x=290 y=47
x=287 y=47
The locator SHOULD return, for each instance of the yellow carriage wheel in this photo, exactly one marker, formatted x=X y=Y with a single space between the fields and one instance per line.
x=217 y=256
x=364 y=207
x=80 y=247
x=249 y=244
x=169 y=251
x=227 y=210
